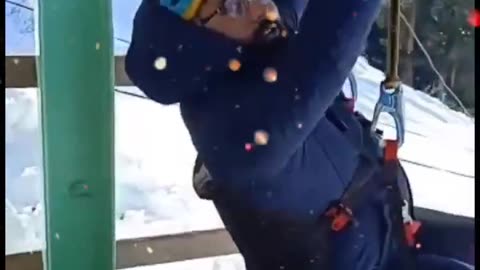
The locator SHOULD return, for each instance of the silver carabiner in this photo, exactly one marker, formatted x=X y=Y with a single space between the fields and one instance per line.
x=353 y=86
x=350 y=101
x=391 y=103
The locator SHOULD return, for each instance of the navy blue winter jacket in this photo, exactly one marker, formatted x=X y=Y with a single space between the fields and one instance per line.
x=307 y=162
x=223 y=109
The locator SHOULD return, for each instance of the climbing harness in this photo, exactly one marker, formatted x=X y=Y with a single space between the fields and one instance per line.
x=381 y=170
x=392 y=103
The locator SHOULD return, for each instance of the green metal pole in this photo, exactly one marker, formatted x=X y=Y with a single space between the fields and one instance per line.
x=76 y=84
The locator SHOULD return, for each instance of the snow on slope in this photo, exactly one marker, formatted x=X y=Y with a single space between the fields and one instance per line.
x=154 y=160
x=154 y=194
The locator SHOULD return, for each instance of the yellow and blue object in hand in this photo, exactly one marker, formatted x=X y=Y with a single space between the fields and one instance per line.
x=187 y=9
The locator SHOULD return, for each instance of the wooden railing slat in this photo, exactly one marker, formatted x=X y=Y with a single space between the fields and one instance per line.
x=20 y=72
x=149 y=251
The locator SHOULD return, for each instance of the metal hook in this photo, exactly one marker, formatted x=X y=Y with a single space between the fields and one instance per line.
x=353 y=86
x=391 y=103
x=350 y=101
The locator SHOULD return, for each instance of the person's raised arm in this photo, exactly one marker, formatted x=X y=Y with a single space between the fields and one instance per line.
x=333 y=31
x=310 y=76
x=191 y=53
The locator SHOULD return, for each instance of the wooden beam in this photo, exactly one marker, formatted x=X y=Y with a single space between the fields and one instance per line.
x=21 y=72
x=149 y=251
x=172 y=248
x=121 y=77
x=24 y=261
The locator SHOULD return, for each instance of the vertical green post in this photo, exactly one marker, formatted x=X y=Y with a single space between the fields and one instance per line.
x=76 y=85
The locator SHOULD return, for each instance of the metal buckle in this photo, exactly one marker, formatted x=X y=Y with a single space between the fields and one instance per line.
x=391 y=103
x=340 y=216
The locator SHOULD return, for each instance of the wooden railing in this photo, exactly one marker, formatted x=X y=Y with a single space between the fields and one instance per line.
x=149 y=251
x=20 y=72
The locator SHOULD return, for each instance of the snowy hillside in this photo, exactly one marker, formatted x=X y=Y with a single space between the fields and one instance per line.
x=153 y=185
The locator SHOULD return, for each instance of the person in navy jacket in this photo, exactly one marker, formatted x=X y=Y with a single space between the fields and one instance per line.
x=256 y=116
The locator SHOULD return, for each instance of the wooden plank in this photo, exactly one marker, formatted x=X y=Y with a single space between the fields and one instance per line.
x=24 y=261
x=149 y=251
x=20 y=72
x=121 y=77
x=172 y=248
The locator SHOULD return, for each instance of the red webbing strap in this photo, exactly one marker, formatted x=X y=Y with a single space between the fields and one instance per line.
x=391 y=151
x=410 y=227
x=341 y=211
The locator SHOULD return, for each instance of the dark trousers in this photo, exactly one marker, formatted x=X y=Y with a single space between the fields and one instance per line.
x=271 y=241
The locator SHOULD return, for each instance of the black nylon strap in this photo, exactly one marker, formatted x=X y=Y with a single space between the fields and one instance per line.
x=397 y=254
x=354 y=195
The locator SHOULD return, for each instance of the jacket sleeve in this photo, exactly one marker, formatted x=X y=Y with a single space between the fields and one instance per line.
x=310 y=75
x=192 y=53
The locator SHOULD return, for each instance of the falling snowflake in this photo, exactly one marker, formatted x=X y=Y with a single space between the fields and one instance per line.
x=299 y=125
x=270 y=75
x=149 y=250
x=261 y=137
x=248 y=147
x=16 y=61
x=474 y=18
x=234 y=65
x=97 y=46
x=160 y=63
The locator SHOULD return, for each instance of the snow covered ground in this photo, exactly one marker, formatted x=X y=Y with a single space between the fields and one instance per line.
x=154 y=156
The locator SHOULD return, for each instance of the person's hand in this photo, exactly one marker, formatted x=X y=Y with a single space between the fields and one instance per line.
x=241 y=26
x=241 y=29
